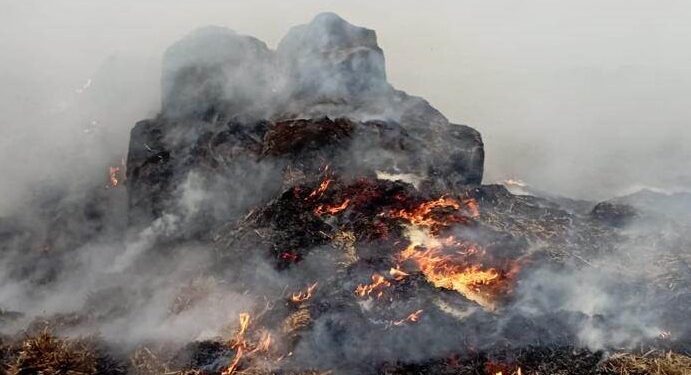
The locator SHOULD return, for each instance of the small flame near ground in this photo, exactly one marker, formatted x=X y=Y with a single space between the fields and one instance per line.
x=116 y=174
x=412 y=318
x=244 y=346
x=325 y=209
x=446 y=263
x=376 y=287
x=302 y=296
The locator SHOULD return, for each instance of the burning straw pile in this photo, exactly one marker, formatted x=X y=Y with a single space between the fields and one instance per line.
x=347 y=231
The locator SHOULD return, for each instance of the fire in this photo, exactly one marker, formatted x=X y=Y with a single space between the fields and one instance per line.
x=238 y=343
x=452 y=271
x=436 y=214
x=323 y=185
x=379 y=283
x=447 y=262
x=243 y=346
x=422 y=215
x=331 y=209
x=264 y=344
x=114 y=176
x=289 y=256
x=233 y=365
x=412 y=318
x=302 y=296
x=244 y=323
x=518 y=372
x=397 y=273
x=472 y=207
x=316 y=193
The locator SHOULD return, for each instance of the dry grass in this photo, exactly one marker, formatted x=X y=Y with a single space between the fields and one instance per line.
x=649 y=364
x=297 y=321
x=145 y=362
x=47 y=354
x=345 y=241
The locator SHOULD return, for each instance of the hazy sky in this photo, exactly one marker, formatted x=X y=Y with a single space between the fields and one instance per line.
x=586 y=97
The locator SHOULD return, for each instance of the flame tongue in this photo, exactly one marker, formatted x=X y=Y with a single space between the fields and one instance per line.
x=445 y=262
x=379 y=283
x=303 y=296
x=424 y=214
x=243 y=346
x=323 y=209
x=453 y=270
x=412 y=318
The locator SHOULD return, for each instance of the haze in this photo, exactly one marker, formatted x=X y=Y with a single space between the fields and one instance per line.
x=583 y=98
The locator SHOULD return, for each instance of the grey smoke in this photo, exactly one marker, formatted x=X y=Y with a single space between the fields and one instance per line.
x=584 y=98
x=544 y=123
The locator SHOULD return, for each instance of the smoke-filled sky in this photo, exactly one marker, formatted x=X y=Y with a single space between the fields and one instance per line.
x=586 y=98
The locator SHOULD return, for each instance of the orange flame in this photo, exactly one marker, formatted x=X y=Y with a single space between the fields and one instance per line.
x=518 y=372
x=244 y=323
x=234 y=365
x=302 y=296
x=379 y=283
x=453 y=273
x=319 y=191
x=412 y=318
x=331 y=209
x=114 y=176
x=397 y=273
x=423 y=214
x=472 y=207
x=239 y=344
x=264 y=344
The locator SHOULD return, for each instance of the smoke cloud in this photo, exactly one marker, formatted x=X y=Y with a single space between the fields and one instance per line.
x=582 y=100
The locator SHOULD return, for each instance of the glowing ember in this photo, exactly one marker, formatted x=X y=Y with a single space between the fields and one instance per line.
x=412 y=318
x=289 y=256
x=323 y=209
x=379 y=283
x=517 y=372
x=303 y=296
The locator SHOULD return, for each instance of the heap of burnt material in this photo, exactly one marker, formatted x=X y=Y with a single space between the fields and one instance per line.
x=235 y=110
x=367 y=203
